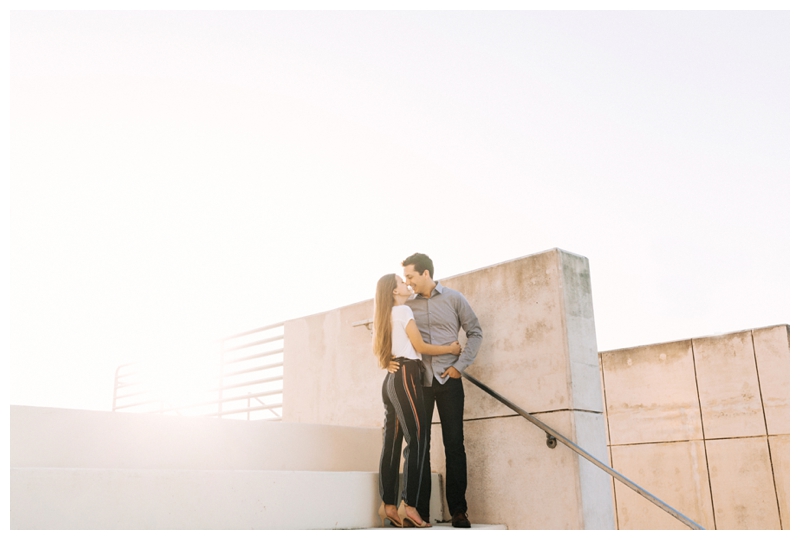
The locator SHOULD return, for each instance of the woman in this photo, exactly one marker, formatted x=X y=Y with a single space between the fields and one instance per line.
x=398 y=345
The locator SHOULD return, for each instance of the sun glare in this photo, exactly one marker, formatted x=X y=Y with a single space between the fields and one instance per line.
x=178 y=385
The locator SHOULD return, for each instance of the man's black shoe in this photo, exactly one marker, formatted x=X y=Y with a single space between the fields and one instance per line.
x=460 y=520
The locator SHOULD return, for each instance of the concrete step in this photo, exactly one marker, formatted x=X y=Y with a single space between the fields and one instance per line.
x=48 y=437
x=98 y=470
x=59 y=498
x=448 y=527
x=84 y=498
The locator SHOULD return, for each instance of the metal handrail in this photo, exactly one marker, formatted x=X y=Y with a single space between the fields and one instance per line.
x=553 y=434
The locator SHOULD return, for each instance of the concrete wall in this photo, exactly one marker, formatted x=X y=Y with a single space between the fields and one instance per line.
x=539 y=350
x=704 y=425
x=701 y=423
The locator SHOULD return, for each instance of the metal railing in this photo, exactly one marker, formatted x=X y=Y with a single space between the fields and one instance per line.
x=126 y=377
x=257 y=365
x=250 y=381
x=553 y=436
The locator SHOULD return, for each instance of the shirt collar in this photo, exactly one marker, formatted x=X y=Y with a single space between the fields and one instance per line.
x=436 y=290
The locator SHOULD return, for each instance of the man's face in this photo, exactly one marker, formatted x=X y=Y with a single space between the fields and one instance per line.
x=413 y=277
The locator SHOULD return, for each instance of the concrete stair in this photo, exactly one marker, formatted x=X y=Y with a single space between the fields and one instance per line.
x=448 y=527
x=61 y=498
x=97 y=470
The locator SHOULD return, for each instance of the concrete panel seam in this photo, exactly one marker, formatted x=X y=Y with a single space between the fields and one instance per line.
x=766 y=430
x=758 y=378
x=549 y=411
x=623 y=445
x=775 y=483
x=739 y=438
x=608 y=433
x=619 y=445
x=703 y=432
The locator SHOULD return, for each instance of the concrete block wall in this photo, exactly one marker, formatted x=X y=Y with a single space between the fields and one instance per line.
x=704 y=425
x=539 y=350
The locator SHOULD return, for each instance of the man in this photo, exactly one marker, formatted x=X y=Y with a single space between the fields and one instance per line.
x=440 y=313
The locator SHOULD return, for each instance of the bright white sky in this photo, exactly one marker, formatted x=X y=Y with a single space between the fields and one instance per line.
x=179 y=176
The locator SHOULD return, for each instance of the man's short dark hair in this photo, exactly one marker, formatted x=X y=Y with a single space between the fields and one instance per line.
x=421 y=263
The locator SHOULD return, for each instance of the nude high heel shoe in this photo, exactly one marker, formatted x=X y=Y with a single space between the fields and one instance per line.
x=384 y=517
x=407 y=521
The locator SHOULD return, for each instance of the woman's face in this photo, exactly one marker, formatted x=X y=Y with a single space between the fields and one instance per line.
x=401 y=289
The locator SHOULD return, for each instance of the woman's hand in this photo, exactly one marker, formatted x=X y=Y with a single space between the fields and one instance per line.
x=393 y=366
x=455 y=348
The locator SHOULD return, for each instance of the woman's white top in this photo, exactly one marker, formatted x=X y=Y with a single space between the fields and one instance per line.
x=401 y=345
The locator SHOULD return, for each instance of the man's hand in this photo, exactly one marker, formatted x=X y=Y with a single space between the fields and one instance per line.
x=394 y=365
x=452 y=372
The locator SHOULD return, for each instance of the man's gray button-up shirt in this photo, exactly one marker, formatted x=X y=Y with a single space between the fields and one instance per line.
x=439 y=318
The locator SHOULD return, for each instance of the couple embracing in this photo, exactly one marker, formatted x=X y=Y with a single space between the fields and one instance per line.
x=415 y=337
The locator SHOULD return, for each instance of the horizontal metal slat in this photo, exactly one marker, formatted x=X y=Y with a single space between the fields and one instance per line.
x=253 y=383
x=251 y=370
x=248 y=332
x=256 y=395
x=259 y=355
x=254 y=343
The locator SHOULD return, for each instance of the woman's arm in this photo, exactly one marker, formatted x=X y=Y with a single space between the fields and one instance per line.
x=424 y=348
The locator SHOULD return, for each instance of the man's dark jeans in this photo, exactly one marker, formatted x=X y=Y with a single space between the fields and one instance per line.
x=449 y=400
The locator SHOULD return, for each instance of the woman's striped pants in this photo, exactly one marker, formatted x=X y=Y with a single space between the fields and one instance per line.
x=405 y=419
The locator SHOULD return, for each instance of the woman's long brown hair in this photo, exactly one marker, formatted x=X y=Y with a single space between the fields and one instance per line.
x=382 y=319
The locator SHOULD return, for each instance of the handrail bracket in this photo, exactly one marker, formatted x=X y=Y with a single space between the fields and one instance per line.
x=551 y=441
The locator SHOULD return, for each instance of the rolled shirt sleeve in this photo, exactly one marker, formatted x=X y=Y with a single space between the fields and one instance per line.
x=471 y=326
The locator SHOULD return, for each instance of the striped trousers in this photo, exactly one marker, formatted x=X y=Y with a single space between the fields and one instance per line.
x=405 y=419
